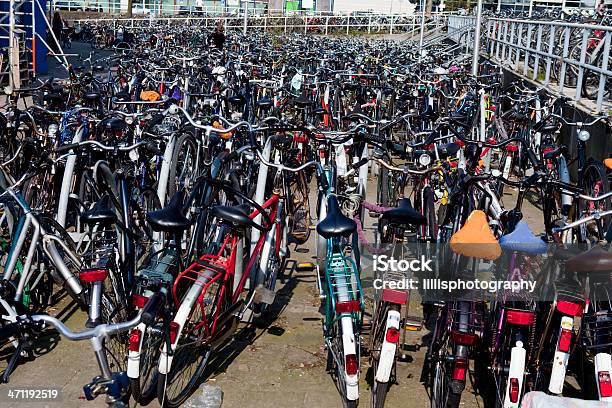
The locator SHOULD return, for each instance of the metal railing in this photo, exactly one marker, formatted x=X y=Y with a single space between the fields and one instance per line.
x=559 y=55
x=569 y=59
x=339 y=24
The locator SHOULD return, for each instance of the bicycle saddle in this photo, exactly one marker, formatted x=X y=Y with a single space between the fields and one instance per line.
x=302 y=102
x=53 y=98
x=608 y=163
x=596 y=259
x=546 y=126
x=170 y=218
x=551 y=153
x=113 y=124
x=236 y=215
x=264 y=103
x=404 y=214
x=475 y=238
x=335 y=224
x=445 y=150
x=92 y=96
x=522 y=239
x=101 y=212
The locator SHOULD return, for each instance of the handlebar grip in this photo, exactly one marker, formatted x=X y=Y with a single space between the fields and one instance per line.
x=360 y=163
x=66 y=147
x=152 y=147
x=152 y=308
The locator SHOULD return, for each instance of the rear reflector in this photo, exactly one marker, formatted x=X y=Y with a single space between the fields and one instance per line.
x=605 y=386
x=139 y=301
x=565 y=340
x=351 y=364
x=399 y=297
x=514 y=390
x=393 y=335
x=570 y=308
x=174 y=329
x=93 y=275
x=460 y=369
x=520 y=318
x=465 y=339
x=135 y=340
x=511 y=148
x=348 y=306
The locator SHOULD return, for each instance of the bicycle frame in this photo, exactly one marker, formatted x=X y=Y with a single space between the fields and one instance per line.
x=211 y=268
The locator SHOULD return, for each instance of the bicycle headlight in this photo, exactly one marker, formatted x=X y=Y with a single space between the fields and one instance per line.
x=129 y=120
x=424 y=160
x=584 y=135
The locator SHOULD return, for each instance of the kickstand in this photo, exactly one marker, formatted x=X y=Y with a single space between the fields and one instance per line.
x=12 y=363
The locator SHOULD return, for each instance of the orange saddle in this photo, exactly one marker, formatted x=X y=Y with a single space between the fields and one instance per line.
x=608 y=163
x=475 y=239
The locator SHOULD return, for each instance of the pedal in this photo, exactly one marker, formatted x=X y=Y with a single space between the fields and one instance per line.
x=413 y=323
x=305 y=267
x=263 y=295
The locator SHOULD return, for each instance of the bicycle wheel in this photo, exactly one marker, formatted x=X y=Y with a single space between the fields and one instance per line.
x=442 y=395
x=336 y=363
x=596 y=184
x=144 y=387
x=190 y=354
x=183 y=167
x=380 y=389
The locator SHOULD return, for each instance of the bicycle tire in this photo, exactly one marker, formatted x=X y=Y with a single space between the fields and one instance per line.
x=144 y=387
x=184 y=144
x=188 y=352
x=379 y=389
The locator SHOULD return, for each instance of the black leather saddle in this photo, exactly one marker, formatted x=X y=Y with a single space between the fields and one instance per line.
x=171 y=218
x=546 y=126
x=302 y=102
x=236 y=215
x=335 y=224
x=595 y=262
x=101 y=212
x=404 y=214
x=264 y=103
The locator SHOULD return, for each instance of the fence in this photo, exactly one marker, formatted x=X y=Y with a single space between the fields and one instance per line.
x=566 y=58
x=559 y=55
x=372 y=24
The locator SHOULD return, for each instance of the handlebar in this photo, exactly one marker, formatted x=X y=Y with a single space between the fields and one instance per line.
x=70 y=146
x=147 y=314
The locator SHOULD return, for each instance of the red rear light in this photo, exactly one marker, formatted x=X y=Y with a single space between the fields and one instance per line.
x=512 y=148
x=605 y=386
x=466 y=339
x=565 y=340
x=348 y=306
x=460 y=369
x=520 y=318
x=514 y=390
x=139 y=301
x=135 y=340
x=399 y=297
x=93 y=275
x=570 y=308
x=393 y=335
x=174 y=329
x=351 y=364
